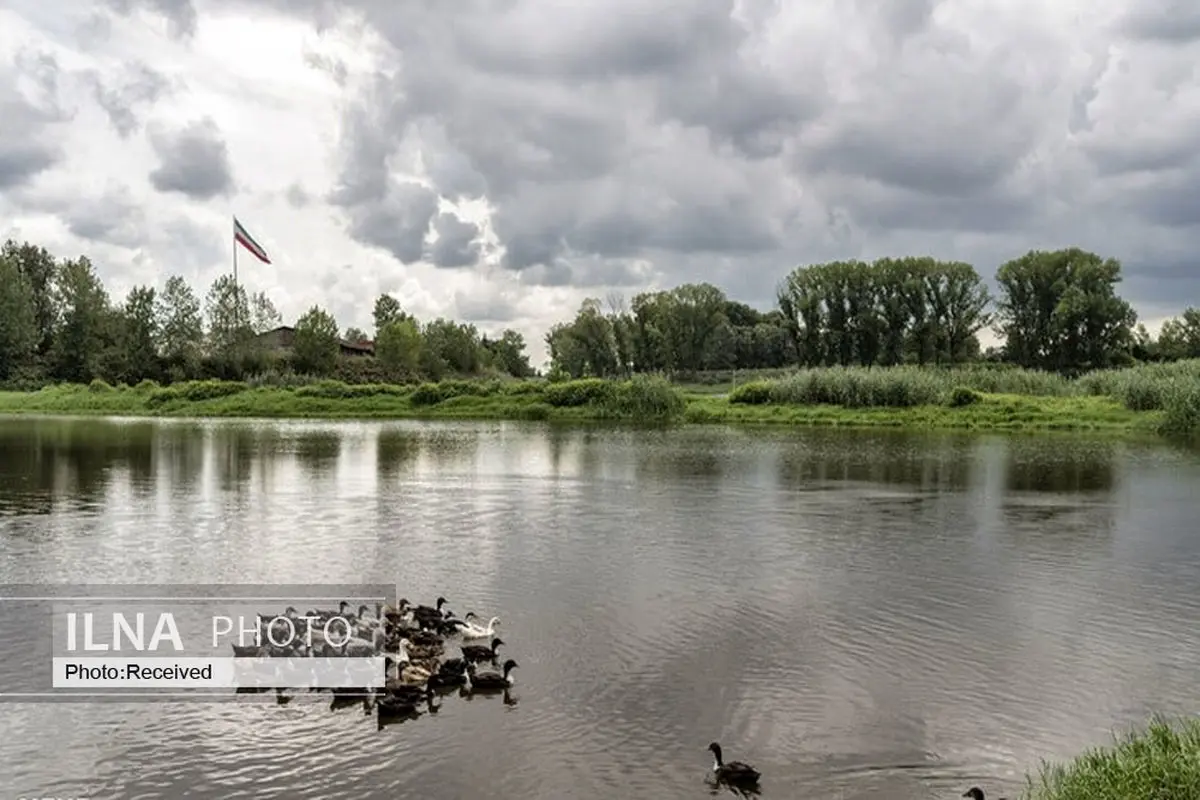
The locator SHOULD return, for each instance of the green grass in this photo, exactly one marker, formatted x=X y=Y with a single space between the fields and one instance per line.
x=642 y=399
x=1160 y=763
x=1161 y=398
x=986 y=412
x=1166 y=395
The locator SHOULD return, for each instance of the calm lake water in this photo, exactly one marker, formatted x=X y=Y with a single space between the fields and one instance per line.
x=857 y=614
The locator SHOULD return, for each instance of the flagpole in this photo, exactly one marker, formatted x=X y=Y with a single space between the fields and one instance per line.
x=235 y=252
x=236 y=305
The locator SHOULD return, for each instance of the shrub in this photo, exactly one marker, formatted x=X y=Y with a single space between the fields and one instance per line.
x=961 y=397
x=644 y=397
x=1007 y=380
x=535 y=412
x=368 y=369
x=195 y=391
x=160 y=397
x=1181 y=415
x=429 y=394
x=518 y=388
x=146 y=386
x=581 y=392
x=336 y=390
x=856 y=387
x=99 y=385
x=754 y=393
x=280 y=377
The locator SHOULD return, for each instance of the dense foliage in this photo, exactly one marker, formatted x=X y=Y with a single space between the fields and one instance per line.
x=1056 y=311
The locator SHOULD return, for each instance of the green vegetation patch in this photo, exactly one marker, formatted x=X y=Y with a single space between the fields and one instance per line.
x=1160 y=763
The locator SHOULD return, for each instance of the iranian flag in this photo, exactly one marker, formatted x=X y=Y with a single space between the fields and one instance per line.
x=242 y=237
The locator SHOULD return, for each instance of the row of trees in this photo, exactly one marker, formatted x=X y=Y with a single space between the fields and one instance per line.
x=1054 y=310
x=58 y=323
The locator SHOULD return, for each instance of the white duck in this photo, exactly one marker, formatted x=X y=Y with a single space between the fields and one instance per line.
x=471 y=630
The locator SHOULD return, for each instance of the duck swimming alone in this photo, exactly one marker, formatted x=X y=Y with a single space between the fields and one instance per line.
x=975 y=793
x=735 y=773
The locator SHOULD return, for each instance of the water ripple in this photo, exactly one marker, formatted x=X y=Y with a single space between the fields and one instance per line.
x=857 y=615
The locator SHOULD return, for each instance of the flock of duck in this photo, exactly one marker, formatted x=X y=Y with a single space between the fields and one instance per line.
x=413 y=641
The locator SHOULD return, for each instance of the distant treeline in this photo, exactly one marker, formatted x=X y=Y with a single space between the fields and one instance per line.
x=1056 y=311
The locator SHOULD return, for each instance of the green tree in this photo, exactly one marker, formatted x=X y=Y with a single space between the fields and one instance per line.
x=886 y=312
x=508 y=354
x=650 y=327
x=1180 y=337
x=387 y=309
x=140 y=335
x=696 y=327
x=85 y=330
x=1143 y=347
x=801 y=302
x=398 y=346
x=41 y=272
x=229 y=320
x=263 y=314
x=959 y=301
x=587 y=346
x=19 y=333
x=180 y=326
x=448 y=346
x=1060 y=311
x=316 y=346
x=353 y=334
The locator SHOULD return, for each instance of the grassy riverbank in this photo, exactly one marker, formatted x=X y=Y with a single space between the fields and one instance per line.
x=1164 y=398
x=1161 y=762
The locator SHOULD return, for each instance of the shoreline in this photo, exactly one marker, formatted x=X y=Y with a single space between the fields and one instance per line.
x=577 y=402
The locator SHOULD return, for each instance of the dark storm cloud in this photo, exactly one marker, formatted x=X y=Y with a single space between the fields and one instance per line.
x=457 y=242
x=544 y=130
x=1166 y=280
x=880 y=207
x=944 y=136
x=193 y=160
x=125 y=95
x=397 y=222
x=1173 y=202
x=20 y=160
x=29 y=107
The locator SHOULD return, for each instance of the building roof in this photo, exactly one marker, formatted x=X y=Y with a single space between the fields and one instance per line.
x=364 y=346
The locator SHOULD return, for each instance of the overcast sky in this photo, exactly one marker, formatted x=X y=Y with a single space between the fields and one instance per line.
x=499 y=160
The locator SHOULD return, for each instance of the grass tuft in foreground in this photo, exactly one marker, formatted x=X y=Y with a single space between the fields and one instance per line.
x=1159 y=763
